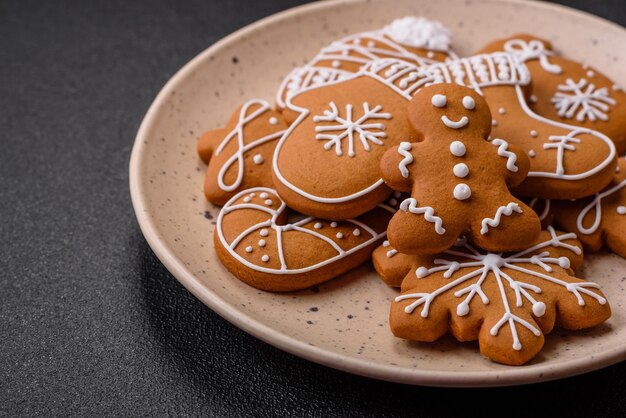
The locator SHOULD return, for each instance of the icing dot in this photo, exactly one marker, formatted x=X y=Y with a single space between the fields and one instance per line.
x=264 y=232
x=261 y=243
x=339 y=235
x=533 y=99
x=397 y=194
x=460 y=170
x=268 y=202
x=534 y=133
x=357 y=41
x=621 y=210
x=617 y=169
x=457 y=148
x=386 y=243
x=421 y=272
x=564 y=262
x=494 y=122
x=333 y=224
x=469 y=103
x=462 y=191
x=248 y=249
x=393 y=202
x=616 y=87
x=247 y=199
x=430 y=54
x=590 y=73
x=258 y=159
x=531 y=153
x=539 y=308
x=265 y=258
x=356 y=232
x=336 y=64
x=501 y=111
x=371 y=44
x=317 y=225
x=462 y=309
x=439 y=100
x=264 y=195
x=273 y=121
x=252 y=194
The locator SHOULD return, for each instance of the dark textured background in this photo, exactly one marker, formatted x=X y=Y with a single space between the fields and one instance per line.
x=91 y=323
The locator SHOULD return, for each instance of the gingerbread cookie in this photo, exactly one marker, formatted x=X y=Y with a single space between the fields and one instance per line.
x=543 y=208
x=459 y=182
x=258 y=242
x=240 y=155
x=600 y=219
x=507 y=302
x=569 y=91
x=566 y=161
x=413 y=39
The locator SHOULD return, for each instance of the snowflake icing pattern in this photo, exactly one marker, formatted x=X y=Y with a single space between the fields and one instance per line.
x=582 y=99
x=347 y=128
x=482 y=264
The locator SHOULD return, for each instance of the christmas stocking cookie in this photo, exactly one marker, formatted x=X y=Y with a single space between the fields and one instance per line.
x=600 y=219
x=459 y=182
x=507 y=302
x=240 y=155
x=568 y=91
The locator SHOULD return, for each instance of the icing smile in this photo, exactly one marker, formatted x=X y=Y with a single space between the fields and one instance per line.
x=455 y=125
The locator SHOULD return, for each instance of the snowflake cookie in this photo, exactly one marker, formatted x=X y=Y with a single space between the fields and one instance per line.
x=262 y=244
x=506 y=301
x=598 y=220
x=239 y=156
x=569 y=91
x=459 y=182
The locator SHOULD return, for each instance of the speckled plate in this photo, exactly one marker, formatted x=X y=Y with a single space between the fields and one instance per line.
x=343 y=324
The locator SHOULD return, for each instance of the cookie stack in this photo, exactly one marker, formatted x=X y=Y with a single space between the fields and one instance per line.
x=452 y=174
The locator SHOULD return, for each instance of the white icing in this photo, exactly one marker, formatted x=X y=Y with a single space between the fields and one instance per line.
x=462 y=191
x=533 y=99
x=386 y=243
x=591 y=74
x=317 y=225
x=455 y=124
x=502 y=111
x=457 y=148
x=248 y=249
x=410 y=205
x=356 y=232
x=261 y=243
x=268 y=202
x=494 y=122
x=475 y=263
x=501 y=211
x=503 y=151
x=439 y=100
x=336 y=64
x=469 y=103
x=264 y=232
x=347 y=128
x=430 y=54
x=273 y=120
x=621 y=210
x=404 y=149
x=258 y=159
x=582 y=99
x=247 y=199
x=419 y=32
x=264 y=195
x=237 y=158
x=391 y=253
x=532 y=153
x=461 y=170
x=532 y=50
x=534 y=133
x=339 y=235
x=265 y=258
x=333 y=224
x=596 y=204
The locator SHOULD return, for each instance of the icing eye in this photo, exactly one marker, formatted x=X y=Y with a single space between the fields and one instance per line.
x=439 y=100
x=469 y=103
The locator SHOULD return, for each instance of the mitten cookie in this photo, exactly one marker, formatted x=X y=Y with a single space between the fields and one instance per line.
x=508 y=302
x=569 y=91
x=258 y=242
x=240 y=155
x=459 y=182
x=566 y=162
x=413 y=39
x=599 y=219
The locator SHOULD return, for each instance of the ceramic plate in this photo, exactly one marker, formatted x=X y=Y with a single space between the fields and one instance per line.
x=343 y=324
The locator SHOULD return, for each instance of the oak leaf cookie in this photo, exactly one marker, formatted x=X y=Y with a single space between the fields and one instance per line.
x=240 y=154
x=258 y=242
x=600 y=219
x=413 y=39
x=507 y=302
x=566 y=161
x=459 y=182
x=567 y=90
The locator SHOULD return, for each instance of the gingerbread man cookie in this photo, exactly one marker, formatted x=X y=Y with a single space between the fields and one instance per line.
x=569 y=91
x=413 y=39
x=600 y=219
x=507 y=302
x=257 y=241
x=240 y=155
x=459 y=182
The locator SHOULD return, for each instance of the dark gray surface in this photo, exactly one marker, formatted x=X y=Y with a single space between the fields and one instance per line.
x=90 y=322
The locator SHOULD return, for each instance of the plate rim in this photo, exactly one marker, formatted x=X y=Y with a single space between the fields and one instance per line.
x=439 y=378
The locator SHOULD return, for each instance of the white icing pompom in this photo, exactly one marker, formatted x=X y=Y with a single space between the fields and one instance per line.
x=264 y=195
x=460 y=170
x=621 y=210
x=469 y=103
x=356 y=232
x=265 y=258
x=539 y=308
x=462 y=191
x=534 y=133
x=273 y=121
x=268 y=202
x=317 y=225
x=333 y=224
x=564 y=262
x=419 y=32
x=462 y=309
x=457 y=148
x=248 y=249
x=339 y=235
x=258 y=159
x=261 y=243
x=246 y=199
x=421 y=272
x=264 y=232
x=439 y=100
